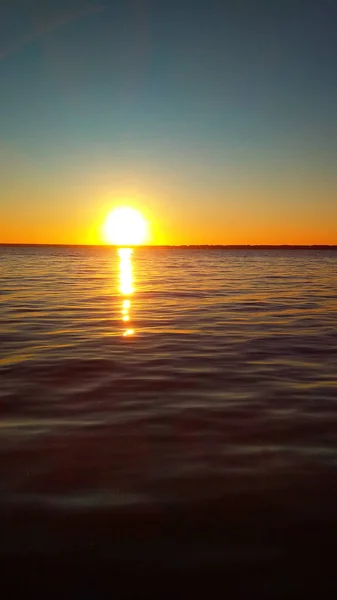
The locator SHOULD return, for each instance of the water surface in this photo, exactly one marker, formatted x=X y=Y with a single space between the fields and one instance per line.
x=164 y=375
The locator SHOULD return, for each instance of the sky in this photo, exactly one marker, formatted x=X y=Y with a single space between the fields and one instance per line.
x=216 y=119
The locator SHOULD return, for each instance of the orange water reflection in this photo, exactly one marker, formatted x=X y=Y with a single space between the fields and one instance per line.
x=126 y=285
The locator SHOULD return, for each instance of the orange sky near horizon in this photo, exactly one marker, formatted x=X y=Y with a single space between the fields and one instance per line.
x=186 y=232
x=40 y=205
x=75 y=214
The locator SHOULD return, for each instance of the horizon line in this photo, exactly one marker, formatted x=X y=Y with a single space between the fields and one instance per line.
x=193 y=246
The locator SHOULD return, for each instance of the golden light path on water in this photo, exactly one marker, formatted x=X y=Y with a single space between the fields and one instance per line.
x=125 y=285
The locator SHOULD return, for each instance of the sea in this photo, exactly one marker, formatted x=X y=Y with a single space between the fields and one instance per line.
x=175 y=391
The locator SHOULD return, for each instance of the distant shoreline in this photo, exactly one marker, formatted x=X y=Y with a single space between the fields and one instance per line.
x=186 y=246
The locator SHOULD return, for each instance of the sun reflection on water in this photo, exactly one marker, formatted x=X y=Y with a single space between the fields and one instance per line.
x=125 y=284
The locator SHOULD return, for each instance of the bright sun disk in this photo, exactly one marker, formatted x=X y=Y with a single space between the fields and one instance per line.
x=125 y=226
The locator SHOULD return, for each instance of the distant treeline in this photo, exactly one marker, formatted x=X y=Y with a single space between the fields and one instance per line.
x=250 y=247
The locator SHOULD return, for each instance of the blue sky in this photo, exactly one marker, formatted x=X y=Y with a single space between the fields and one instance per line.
x=224 y=107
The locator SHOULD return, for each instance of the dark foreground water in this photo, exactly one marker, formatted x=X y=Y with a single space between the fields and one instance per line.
x=170 y=412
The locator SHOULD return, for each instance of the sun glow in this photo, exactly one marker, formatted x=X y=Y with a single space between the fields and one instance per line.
x=125 y=226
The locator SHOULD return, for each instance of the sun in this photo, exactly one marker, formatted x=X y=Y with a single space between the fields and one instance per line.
x=125 y=226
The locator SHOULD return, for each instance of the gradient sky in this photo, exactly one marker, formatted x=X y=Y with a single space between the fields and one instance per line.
x=218 y=119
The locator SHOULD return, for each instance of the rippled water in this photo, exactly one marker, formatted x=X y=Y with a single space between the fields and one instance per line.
x=165 y=374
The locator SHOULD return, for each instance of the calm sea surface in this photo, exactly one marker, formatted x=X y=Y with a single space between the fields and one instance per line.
x=164 y=375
